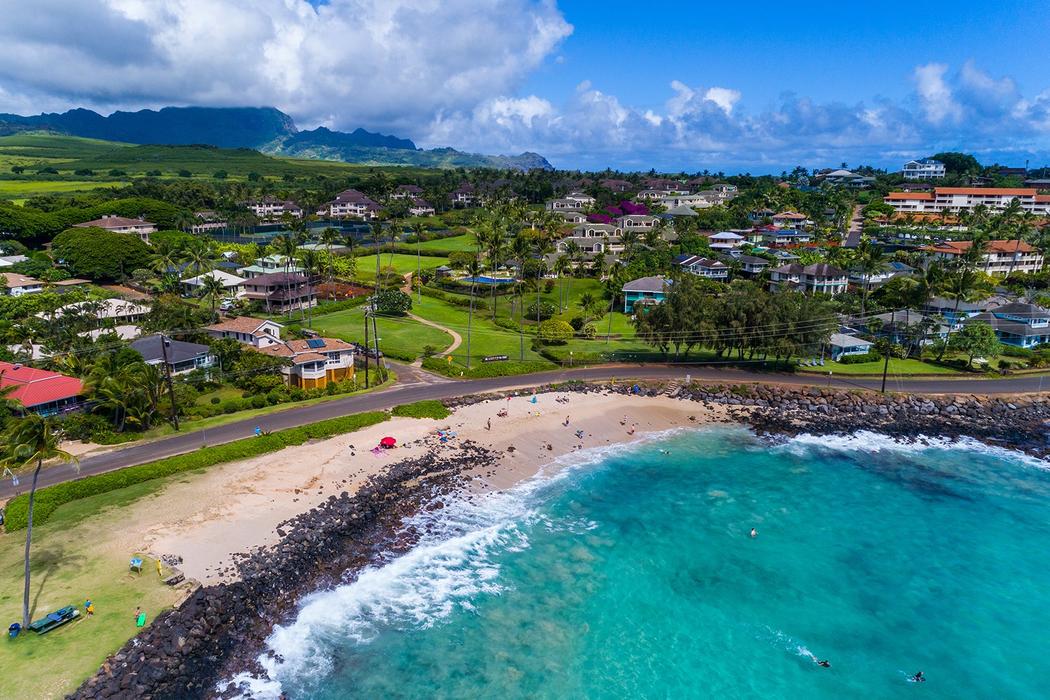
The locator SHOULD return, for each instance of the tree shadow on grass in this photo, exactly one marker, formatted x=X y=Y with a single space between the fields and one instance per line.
x=45 y=562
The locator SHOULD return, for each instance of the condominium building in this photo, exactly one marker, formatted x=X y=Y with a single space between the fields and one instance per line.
x=999 y=257
x=965 y=199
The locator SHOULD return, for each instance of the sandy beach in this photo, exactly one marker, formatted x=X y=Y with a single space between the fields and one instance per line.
x=233 y=508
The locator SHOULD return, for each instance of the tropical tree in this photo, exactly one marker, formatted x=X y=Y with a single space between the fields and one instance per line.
x=868 y=260
x=329 y=237
x=212 y=289
x=29 y=440
x=474 y=268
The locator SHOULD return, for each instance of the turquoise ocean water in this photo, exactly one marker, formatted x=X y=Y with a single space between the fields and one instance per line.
x=633 y=575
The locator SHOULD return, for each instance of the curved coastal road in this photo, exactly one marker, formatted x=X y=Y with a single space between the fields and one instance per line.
x=415 y=385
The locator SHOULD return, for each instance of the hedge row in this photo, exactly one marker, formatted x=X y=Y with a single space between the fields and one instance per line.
x=482 y=370
x=422 y=409
x=50 y=498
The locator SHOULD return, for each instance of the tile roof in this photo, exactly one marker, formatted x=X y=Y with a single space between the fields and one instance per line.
x=294 y=348
x=37 y=386
x=990 y=191
x=241 y=324
x=909 y=195
x=999 y=246
x=114 y=222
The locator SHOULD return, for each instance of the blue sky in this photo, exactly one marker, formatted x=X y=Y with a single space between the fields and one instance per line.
x=825 y=50
x=756 y=87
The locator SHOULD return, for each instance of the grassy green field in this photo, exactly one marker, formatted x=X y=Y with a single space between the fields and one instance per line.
x=24 y=189
x=402 y=263
x=74 y=558
x=69 y=153
x=897 y=367
x=401 y=338
x=451 y=244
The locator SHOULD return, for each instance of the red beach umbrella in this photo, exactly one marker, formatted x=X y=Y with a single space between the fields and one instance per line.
x=388 y=442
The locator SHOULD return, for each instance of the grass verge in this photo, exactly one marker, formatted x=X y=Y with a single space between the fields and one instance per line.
x=422 y=409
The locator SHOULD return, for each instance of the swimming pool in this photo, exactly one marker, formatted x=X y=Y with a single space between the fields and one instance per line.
x=484 y=279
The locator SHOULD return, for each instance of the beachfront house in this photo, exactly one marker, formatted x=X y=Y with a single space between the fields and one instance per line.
x=179 y=356
x=40 y=391
x=257 y=332
x=315 y=362
x=642 y=292
x=842 y=345
x=1018 y=324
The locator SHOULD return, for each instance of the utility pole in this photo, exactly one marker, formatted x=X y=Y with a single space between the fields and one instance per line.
x=366 y=349
x=164 y=343
x=889 y=346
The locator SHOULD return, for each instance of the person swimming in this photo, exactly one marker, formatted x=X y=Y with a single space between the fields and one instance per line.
x=824 y=662
x=918 y=678
x=754 y=532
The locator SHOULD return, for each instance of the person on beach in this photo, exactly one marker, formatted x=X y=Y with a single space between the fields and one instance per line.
x=631 y=431
x=918 y=678
x=89 y=607
x=624 y=421
x=754 y=533
x=566 y=423
x=488 y=424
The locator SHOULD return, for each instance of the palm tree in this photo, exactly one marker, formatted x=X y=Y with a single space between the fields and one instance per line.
x=198 y=256
x=575 y=255
x=311 y=262
x=1024 y=227
x=474 y=268
x=868 y=260
x=287 y=245
x=212 y=289
x=329 y=237
x=28 y=440
x=377 y=237
x=419 y=229
x=561 y=266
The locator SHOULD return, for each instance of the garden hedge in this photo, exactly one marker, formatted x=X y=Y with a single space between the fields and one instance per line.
x=51 y=497
x=481 y=370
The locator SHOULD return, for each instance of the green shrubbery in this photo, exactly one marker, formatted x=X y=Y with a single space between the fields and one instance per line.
x=859 y=359
x=422 y=409
x=562 y=356
x=481 y=370
x=50 y=498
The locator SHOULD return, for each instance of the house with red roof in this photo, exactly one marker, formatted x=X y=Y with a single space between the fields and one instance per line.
x=39 y=390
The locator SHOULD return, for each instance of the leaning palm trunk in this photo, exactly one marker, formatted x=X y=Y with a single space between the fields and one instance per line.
x=29 y=542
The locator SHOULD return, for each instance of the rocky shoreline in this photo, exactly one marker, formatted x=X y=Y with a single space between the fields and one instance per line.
x=219 y=630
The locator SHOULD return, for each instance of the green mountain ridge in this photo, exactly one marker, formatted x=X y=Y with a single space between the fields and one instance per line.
x=265 y=129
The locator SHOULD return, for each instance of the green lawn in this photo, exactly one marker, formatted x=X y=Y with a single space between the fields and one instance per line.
x=897 y=367
x=403 y=264
x=401 y=338
x=486 y=338
x=454 y=243
x=74 y=558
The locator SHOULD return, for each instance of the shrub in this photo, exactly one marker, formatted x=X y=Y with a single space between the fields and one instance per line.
x=51 y=497
x=555 y=332
x=232 y=405
x=87 y=427
x=860 y=359
x=216 y=400
x=482 y=370
x=422 y=409
x=590 y=331
x=393 y=301
x=541 y=309
x=577 y=323
x=258 y=401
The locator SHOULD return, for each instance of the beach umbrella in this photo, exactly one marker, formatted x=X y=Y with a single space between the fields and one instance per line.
x=388 y=442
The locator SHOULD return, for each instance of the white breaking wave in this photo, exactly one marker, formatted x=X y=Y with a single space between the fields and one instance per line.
x=869 y=441
x=455 y=562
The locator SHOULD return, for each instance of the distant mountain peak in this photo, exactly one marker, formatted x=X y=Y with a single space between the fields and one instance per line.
x=265 y=129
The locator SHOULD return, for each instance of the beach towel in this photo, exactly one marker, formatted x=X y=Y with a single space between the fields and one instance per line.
x=140 y=621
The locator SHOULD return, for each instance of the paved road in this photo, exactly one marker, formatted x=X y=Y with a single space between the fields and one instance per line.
x=855 y=224
x=415 y=385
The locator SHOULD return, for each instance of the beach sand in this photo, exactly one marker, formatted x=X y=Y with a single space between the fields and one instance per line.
x=206 y=519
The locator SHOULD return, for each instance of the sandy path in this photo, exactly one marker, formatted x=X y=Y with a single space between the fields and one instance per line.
x=232 y=508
